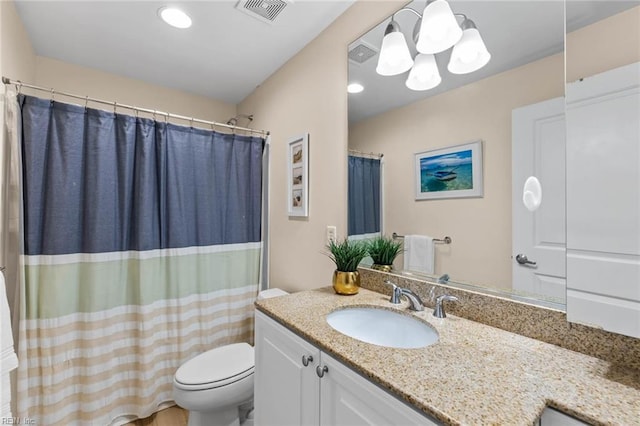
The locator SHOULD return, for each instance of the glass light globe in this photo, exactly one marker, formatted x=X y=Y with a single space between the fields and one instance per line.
x=469 y=54
x=424 y=75
x=439 y=29
x=394 y=57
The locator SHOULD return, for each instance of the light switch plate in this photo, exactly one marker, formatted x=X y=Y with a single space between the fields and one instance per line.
x=332 y=234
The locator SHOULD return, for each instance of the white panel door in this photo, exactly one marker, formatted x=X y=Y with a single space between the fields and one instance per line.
x=286 y=392
x=348 y=399
x=603 y=200
x=538 y=149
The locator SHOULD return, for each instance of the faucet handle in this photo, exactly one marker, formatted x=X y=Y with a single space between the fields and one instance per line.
x=439 y=312
x=396 y=292
x=432 y=294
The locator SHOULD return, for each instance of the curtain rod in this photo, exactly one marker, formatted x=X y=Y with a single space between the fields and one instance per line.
x=372 y=154
x=115 y=105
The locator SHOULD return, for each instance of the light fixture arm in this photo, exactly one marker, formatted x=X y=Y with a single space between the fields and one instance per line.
x=393 y=25
x=407 y=9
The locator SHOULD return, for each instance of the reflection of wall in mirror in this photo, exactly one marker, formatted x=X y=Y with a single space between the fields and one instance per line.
x=480 y=228
x=604 y=45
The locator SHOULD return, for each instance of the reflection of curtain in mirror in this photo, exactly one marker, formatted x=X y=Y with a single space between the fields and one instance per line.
x=364 y=195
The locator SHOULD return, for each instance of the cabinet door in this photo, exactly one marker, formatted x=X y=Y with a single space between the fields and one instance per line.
x=286 y=393
x=603 y=200
x=348 y=399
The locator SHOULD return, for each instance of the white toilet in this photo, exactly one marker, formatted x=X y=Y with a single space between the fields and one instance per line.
x=217 y=386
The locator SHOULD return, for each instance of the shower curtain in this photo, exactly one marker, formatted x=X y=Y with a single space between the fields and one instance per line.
x=364 y=197
x=142 y=245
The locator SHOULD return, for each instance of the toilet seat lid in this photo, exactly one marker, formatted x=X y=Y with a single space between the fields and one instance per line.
x=217 y=367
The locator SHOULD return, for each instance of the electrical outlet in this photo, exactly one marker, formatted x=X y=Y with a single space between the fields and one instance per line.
x=332 y=234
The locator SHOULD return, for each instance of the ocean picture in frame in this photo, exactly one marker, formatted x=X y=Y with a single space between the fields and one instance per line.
x=452 y=172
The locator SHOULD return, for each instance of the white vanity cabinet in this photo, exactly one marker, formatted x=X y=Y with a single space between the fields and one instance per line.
x=324 y=392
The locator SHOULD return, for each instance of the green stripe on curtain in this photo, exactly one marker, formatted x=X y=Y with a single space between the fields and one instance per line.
x=98 y=286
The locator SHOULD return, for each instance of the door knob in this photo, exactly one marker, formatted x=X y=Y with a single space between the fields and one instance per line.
x=522 y=259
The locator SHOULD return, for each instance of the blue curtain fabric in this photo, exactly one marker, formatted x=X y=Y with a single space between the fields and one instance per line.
x=364 y=195
x=98 y=182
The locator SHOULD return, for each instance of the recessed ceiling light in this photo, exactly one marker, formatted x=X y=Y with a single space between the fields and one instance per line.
x=175 y=17
x=355 y=88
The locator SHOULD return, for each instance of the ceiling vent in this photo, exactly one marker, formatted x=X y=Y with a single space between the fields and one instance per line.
x=263 y=10
x=362 y=52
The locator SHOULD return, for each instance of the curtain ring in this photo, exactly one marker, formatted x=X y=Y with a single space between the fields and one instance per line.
x=114 y=107
x=166 y=118
x=191 y=122
x=154 y=115
x=52 y=94
x=86 y=101
x=19 y=86
x=137 y=112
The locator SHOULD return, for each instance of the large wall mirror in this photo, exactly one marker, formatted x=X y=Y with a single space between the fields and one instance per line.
x=521 y=87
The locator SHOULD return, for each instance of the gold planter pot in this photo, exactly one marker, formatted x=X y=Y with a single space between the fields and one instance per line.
x=383 y=268
x=346 y=282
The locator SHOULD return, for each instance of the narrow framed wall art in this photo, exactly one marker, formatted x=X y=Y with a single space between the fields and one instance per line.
x=298 y=176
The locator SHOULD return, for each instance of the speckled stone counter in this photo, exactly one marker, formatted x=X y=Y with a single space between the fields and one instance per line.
x=475 y=374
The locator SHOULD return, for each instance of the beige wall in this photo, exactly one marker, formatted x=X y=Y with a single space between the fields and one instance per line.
x=101 y=85
x=479 y=227
x=17 y=59
x=308 y=94
x=604 y=45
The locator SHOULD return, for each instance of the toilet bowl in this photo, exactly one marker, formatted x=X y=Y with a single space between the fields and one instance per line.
x=217 y=385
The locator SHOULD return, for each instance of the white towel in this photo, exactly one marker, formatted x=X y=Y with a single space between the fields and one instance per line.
x=8 y=358
x=419 y=253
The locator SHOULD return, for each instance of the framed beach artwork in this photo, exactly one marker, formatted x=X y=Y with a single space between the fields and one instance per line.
x=452 y=172
x=298 y=176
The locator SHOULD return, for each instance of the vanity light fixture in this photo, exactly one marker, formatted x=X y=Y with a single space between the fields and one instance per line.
x=394 y=57
x=355 y=88
x=175 y=17
x=439 y=29
x=424 y=74
x=436 y=30
x=470 y=53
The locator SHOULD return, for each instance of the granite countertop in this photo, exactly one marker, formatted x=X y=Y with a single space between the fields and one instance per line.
x=475 y=374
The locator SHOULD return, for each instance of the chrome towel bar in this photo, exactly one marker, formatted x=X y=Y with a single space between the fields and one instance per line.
x=445 y=240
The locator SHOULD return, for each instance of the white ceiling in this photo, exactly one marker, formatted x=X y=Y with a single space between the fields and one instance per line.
x=515 y=32
x=225 y=55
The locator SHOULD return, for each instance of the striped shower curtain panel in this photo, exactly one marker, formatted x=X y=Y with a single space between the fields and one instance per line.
x=141 y=249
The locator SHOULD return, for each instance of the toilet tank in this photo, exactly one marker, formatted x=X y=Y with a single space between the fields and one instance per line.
x=271 y=292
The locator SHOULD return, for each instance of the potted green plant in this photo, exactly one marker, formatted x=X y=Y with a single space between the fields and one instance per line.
x=383 y=251
x=347 y=255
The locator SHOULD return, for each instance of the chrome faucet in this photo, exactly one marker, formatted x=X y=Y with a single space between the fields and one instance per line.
x=439 y=312
x=415 y=303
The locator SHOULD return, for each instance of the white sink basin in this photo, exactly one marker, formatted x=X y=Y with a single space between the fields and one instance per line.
x=382 y=327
